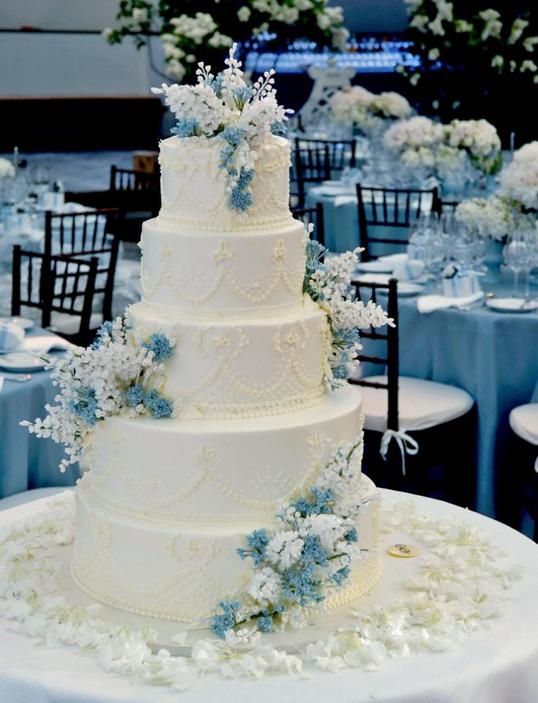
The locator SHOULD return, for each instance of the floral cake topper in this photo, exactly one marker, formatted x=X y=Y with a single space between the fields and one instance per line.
x=224 y=106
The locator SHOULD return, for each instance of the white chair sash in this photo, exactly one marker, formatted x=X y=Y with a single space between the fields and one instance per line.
x=405 y=442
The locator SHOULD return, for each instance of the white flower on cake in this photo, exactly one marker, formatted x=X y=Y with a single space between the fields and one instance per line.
x=243 y=117
x=116 y=373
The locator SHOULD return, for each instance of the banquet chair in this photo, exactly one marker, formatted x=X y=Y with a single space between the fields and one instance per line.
x=342 y=152
x=523 y=421
x=84 y=235
x=424 y=429
x=448 y=206
x=392 y=208
x=55 y=284
x=312 y=215
x=310 y=166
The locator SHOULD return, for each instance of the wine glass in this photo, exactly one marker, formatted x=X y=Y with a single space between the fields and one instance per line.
x=516 y=257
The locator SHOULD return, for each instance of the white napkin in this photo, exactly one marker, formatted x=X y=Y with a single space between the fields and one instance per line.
x=11 y=337
x=394 y=258
x=45 y=343
x=345 y=200
x=429 y=303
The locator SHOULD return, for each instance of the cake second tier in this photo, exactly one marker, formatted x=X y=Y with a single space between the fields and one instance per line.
x=248 y=368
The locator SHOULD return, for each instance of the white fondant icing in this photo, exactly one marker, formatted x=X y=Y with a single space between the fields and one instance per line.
x=177 y=571
x=194 y=191
x=242 y=369
x=221 y=274
x=219 y=471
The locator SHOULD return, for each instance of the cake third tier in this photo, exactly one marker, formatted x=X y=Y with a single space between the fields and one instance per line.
x=247 y=368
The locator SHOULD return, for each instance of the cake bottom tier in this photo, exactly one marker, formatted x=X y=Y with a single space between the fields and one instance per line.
x=177 y=572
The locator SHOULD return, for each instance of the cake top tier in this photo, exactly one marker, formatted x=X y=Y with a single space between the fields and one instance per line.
x=229 y=134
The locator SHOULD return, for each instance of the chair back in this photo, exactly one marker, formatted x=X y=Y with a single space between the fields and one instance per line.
x=85 y=235
x=312 y=215
x=127 y=180
x=384 y=342
x=309 y=166
x=342 y=152
x=390 y=208
x=49 y=283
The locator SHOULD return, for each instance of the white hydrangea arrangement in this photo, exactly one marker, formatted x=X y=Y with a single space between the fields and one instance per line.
x=117 y=373
x=309 y=554
x=328 y=283
x=416 y=141
x=7 y=169
x=519 y=180
x=360 y=108
x=479 y=140
x=226 y=107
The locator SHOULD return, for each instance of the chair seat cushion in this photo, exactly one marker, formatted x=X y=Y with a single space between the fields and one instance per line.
x=421 y=404
x=524 y=422
x=28 y=496
x=62 y=323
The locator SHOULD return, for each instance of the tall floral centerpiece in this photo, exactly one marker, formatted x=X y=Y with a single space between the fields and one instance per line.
x=513 y=207
x=195 y=30
x=476 y=57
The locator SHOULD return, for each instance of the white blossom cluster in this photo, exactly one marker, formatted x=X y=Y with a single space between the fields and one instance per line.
x=6 y=169
x=330 y=286
x=439 y=18
x=461 y=586
x=225 y=106
x=494 y=217
x=416 y=140
x=359 y=107
x=93 y=383
x=295 y=567
x=479 y=139
x=519 y=180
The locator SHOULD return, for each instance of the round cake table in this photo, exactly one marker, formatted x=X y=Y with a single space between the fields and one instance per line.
x=495 y=665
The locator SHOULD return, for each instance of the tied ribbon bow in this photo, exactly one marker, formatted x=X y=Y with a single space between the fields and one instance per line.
x=405 y=442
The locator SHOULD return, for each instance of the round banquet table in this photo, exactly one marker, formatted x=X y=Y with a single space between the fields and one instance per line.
x=495 y=665
x=25 y=461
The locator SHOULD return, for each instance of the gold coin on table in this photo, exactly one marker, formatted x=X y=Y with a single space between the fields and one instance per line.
x=403 y=551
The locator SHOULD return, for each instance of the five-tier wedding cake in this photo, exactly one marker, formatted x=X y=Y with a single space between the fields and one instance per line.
x=167 y=501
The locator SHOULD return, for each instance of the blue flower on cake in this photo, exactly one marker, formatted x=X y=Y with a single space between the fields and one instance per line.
x=115 y=374
x=295 y=567
x=243 y=117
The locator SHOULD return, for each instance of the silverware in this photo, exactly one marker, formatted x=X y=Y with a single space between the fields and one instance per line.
x=17 y=377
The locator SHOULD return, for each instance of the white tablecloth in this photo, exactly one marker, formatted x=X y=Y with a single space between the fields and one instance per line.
x=499 y=665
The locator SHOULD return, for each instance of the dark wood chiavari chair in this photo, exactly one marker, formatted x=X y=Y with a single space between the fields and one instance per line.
x=312 y=215
x=84 y=235
x=390 y=207
x=309 y=166
x=423 y=412
x=55 y=284
x=342 y=152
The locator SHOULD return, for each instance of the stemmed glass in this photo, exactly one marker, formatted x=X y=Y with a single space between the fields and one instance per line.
x=516 y=256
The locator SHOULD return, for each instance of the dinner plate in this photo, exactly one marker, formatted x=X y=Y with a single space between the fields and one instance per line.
x=406 y=289
x=376 y=266
x=516 y=305
x=23 y=322
x=22 y=361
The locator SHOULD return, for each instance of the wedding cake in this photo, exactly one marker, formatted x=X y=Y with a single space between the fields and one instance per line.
x=168 y=501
